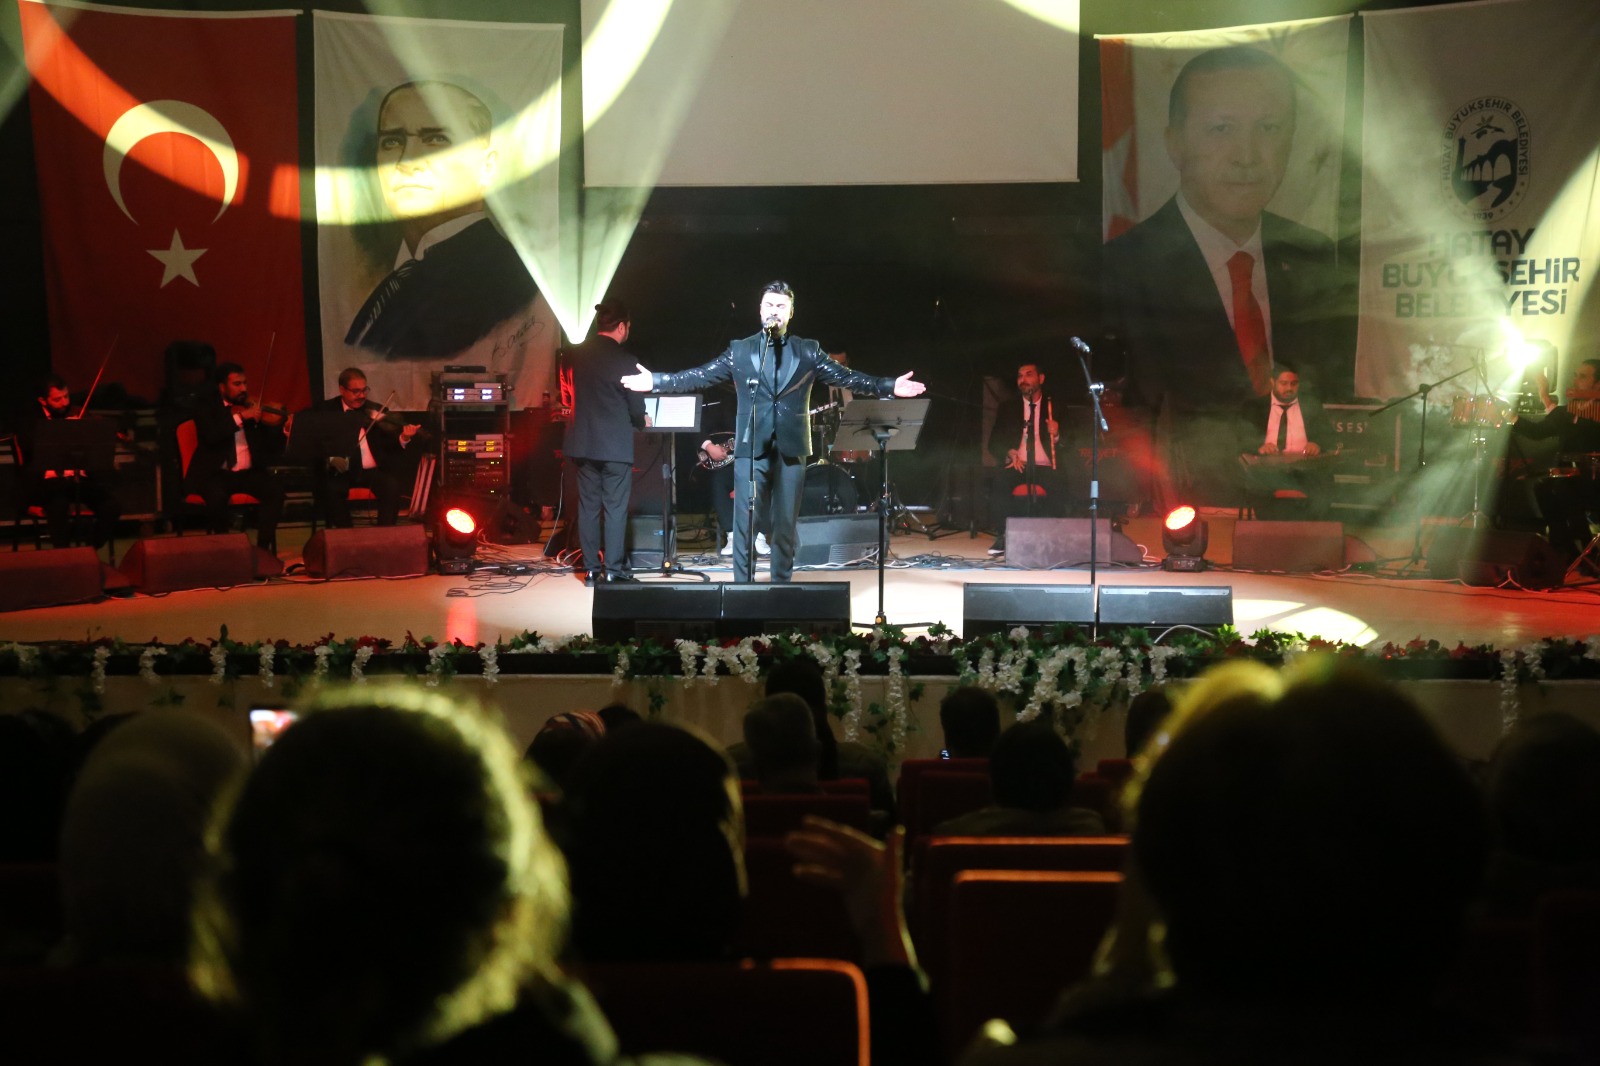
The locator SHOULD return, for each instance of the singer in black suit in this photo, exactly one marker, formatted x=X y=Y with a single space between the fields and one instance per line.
x=599 y=442
x=772 y=374
x=232 y=455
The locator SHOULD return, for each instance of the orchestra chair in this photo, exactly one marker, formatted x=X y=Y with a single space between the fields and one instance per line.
x=1014 y=939
x=787 y=1012
x=415 y=505
x=189 y=440
x=773 y=816
x=34 y=514
x=908 y=789
x=784 y=916
x=937 y=860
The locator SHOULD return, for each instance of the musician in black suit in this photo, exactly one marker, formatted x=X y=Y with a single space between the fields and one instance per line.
x=1280 y=436
x=772 y=374
x=55 y=491
x=1565 y=502
x=1212 y=289
x=1027 y=419
x=232 y=456
x=371 y=449
x=599 y=441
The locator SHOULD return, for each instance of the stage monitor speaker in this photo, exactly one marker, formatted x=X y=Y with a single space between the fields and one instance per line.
x=644 y=541
x=1161 y=606
x=989 y=609
x=835 y=539
x=810 y=606
x=664 y=612
x=1494 y=556
x=1046 y=543
x=1293 y=547
x=368 y=551
x=49 y=577
x=218 y=560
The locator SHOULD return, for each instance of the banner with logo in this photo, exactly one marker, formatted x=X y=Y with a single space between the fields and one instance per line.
x=1480 y=186
x=438 y=146
x=166 y=147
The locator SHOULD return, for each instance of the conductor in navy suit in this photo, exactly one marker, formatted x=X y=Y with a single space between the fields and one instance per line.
x=599 y=443
x=1210 y=290
x=772 y=374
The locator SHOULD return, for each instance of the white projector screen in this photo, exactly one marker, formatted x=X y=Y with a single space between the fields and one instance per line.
x=839 y=92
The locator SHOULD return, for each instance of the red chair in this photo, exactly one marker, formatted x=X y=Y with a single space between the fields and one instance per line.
x=937 y=860
x=789 y=1012
x=946 y=796
x=773 y=816
x=785 y=917
x=1117 y=771
x=908 y=790
x=1014 y=939
x=188 y=441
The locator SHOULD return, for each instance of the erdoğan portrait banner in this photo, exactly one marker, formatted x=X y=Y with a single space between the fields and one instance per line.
x=169 y=183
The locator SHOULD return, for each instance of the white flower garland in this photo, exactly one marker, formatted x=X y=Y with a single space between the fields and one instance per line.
x=619 y=672
x=319 y=670
x=1159 y=654
x=268 y=652
x=688 y=660
x=852 y=688
x=147 y=663
x=895 y=697
x=219 y=664
x=27 y=657
x=359 y=663
x=489 y=655
x=1509 y=707
x=97 y=674
x=436 y=658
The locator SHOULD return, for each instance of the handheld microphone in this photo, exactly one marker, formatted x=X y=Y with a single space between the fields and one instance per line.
x=1077 y=342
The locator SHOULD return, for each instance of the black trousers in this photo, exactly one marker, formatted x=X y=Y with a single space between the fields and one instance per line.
x=56 y=496
x=217 y=486
x=1564 y=503
x=779 y=480
x=603 y=490
x=722 y=490
x=380 y=482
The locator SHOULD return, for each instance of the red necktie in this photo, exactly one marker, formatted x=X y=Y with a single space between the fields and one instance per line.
x=1249 y=327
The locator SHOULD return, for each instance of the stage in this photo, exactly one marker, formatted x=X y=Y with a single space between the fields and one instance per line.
x=1361 y=604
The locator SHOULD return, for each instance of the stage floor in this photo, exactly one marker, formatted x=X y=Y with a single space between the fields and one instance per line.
x=923 y=585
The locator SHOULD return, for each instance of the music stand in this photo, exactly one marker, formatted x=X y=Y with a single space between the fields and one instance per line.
x=86 y=444
x=890 y=425
x=671 y=413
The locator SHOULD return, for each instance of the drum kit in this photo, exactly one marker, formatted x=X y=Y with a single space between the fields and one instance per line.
x=830 y=486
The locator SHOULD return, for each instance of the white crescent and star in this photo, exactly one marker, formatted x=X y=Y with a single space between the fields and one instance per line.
x=171 y=116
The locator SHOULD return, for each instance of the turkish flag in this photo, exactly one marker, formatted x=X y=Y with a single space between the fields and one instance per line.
x=168 y=156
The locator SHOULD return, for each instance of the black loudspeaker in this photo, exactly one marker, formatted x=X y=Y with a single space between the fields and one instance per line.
x=811 y=607
x=1045 y=543
x=1493 y=556
x=699 y=612
x=1288 y=546
x=836 y=539
x=367 y=551
x=219 y=560
x=1000 y=608
x=46 y=578
x=664 y=612
x=644 y=541
x=1160 y=606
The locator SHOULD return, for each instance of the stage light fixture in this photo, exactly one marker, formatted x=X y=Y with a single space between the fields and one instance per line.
x=1184 y=537
x=455 y=538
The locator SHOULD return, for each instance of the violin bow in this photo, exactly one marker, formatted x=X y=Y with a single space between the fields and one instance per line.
x=103 y=364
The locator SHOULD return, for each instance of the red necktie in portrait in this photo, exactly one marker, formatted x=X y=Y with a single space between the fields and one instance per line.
x=1249 y=327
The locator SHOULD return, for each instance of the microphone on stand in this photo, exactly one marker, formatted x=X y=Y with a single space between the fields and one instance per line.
x=1077 y=342
x=1095 y=387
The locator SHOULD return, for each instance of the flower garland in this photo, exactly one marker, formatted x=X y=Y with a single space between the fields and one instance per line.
x=319 y=671
x=269 y=651
x=97 y=673
x=852 y=689
x=489 y=654
x=895 y=698
x=358 y=663
x=219 y=662
x=436 y=662
x=147 y=663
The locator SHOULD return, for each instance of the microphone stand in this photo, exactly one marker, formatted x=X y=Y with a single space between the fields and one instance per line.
x=1423 y=390
x=1097 y=426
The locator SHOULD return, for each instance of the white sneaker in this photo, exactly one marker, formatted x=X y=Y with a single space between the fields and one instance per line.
x=762 y=548
x=727 y=546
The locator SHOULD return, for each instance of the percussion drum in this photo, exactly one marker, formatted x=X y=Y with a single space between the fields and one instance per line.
x=829 y=489
x=1483 y=411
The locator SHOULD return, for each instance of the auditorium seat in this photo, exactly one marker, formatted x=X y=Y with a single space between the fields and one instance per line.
x=946 y=796
x=908 y=790
x=789 y=1012
x=785 y=917
x=773 y=816
x=1014 y=939
x=937 y=860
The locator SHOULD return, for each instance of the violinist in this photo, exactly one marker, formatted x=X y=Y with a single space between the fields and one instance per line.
x=55 y=491
x=233 y=454
x=374 y=452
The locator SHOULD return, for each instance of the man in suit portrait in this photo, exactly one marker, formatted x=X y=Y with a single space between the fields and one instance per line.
x=455 y=276
x=1282 y=435
x=599 y=442
x=772 y=374
x=1212 y=289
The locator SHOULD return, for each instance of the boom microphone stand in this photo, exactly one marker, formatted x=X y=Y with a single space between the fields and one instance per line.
x=1423 y=390
x=1097 y=426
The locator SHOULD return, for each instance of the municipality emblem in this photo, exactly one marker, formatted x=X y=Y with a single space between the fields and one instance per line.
x=1484 y=158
